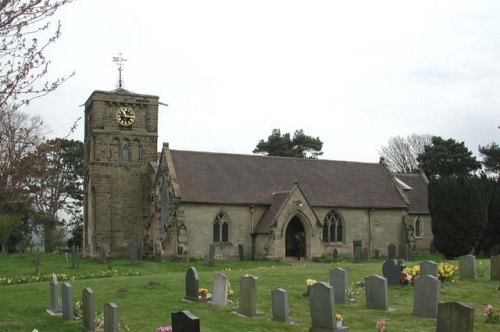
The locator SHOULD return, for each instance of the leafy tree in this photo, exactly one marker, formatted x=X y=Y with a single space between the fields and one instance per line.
x=459 y=211
x=491 y=157
x=9 y=224
x=300 y=146
x=491 y=234
x=57 y=185
x=24 y=37
x=447 y=158
x=401 y=153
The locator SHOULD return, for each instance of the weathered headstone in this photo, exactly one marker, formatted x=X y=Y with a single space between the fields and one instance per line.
x=335 y=254
x=67 y=301
x=376 y=292
x=220 y=290
x=376 y=253
x=185 y=321
x=358 y=251
x=403 y=252
x=429 y=268
x=338 y=280
x=111 y=318
x=281 y=310
x=391 y=269
x=192 y=284
x=211 y=255
x=55 y=305
x=495 y=267
x=248 y=296
x=366 y=254
x=391 y=251
x=241 y=252
x=467 y=267
x=133 y=252
x=454 y=316
x=322 y=303
x=88 y=310
x=75 y=257
x=103 y=254
x=427 y=294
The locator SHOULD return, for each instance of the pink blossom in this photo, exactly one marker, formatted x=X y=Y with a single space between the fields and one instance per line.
x=164 y=329
x=488 y=310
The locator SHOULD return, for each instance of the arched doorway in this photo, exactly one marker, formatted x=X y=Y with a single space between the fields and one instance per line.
x=295 y=243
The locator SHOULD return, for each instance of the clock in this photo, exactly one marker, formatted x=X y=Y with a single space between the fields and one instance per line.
x=125 y=116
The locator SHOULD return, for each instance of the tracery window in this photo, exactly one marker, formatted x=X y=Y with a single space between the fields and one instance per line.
x=221 y=228
x=418 y=228
x=333 y=228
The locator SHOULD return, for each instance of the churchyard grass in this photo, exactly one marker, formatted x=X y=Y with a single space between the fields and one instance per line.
x=144 y=306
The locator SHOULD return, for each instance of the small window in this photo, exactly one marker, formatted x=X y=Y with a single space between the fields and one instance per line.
x=221 y=228
x=418 y=228
x=125 y=154
x=333 y=230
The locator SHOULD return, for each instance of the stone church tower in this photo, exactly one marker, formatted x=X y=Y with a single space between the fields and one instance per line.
x=121 y=133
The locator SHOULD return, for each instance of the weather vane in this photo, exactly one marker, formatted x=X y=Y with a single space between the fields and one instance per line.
x=119 y=61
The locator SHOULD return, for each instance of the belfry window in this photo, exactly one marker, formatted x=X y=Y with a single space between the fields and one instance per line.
x=333 y=228
x=125 y=154
x=221 y=228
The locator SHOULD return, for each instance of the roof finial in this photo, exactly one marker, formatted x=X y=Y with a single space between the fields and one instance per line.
x=119 y=61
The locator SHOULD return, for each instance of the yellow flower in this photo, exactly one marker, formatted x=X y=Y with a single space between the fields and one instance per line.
x=310 y=282
x=338 y=317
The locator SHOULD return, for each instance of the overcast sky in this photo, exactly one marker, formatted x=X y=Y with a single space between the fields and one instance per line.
x=352 y=73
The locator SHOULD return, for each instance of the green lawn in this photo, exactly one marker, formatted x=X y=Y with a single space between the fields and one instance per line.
x=145 y=307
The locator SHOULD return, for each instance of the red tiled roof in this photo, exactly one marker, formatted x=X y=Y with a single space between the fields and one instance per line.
x=417 y=195
x=222 y=178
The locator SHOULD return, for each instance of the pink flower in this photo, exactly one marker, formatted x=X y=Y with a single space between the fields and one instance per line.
x=488 y=310
x=381 y=325
x=164 y=329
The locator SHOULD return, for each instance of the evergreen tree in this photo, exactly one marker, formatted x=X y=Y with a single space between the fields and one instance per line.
x=458 y=207
x=300 y=146
x=491 y=234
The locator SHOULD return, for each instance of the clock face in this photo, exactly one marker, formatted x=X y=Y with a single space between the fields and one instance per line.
x=125 y=116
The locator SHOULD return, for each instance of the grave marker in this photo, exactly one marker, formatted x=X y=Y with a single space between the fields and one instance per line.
x=248 y=296
x=103 y=254
x=322 y=303
x=55 y=306
x=358 y=251
x=338 y=280
x=241 y=252
x=133 y=252
x=454 y=316
x=281 y=310
x=427 y=294
x=211 y=255
x=391 y=251
x=467 y=267
x=88 y=310
x=495 y=267
x=185 y=321
x=220 y=290
x=111 y=318
x=67 y=301
x=391 y=269
x=192 y=284
x=429 y=268
x=403 y=252
x=376 y=292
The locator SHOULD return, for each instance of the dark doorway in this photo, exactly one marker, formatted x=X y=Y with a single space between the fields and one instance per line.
x=295 y=243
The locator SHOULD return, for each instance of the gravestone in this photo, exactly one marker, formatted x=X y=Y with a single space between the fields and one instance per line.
x=111 y=318
x=75 y=257
x=67 y=301
x=322 y=304
x=185 y=321
x=241 y=252
x=426 y=297
x=366 y=254
x=220 y=290
x=55 y=306
x=376 y=292
x=429 y=268
x=192 y=284
x=391 y=269
x=281 y=310
x=358 y=251
x=391 y=251
x=211 y=255
x=88 y=310
x=403 y=252
x=335 y=254
x=495 y=267
x=338 y=280
x=467 y=267
x=454 y=316
x=376 y=253
x=102 y=254
x=133 y=252
x=36 y=261
x=248 y=296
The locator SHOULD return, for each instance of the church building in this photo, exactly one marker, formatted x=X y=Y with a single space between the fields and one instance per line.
x=177 y=203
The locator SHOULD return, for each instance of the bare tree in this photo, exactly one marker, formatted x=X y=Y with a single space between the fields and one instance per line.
x=401 y=153
x=23 y=64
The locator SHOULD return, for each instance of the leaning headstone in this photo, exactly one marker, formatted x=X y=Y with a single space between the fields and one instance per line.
x=67 y=301
x=403 y=252
x=467 y=267
x=211 y=255
x=281 y=310
x=55 y=306
x=429 y=268
x=248 y=296
x=338 y=280
x=427 y=294
x=111 y=318
x=36 y=260
x=220 y=290
x=192 y=284
x=376 y=292
x=495 y=267
x=88 y=310
x=391 y=269
x=241 y=252
x=391 y=251
x=322 y=303
x=103 y=254
x=185 y=321
x=358 y=251
x=454 y=316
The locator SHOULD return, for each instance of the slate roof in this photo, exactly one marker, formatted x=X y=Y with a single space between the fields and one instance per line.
x=418 y=193
x=269 y=217
x=221 y=178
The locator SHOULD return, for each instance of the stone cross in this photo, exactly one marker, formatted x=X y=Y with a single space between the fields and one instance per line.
x=67 y=301
x=111 y=318
x=454 y=316
x=281 y=311
x=376 y=292
x=220 y=290
x=88 y=308
x=185 y=321
x=322 y=303
x=467 y=267
x=338 y=280
x=192 y=284
x=427 y=295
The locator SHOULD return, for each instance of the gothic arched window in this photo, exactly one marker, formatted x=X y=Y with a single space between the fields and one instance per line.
x=418 y=228
x=125 y=154
x=221 y=228
x=333 y=228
